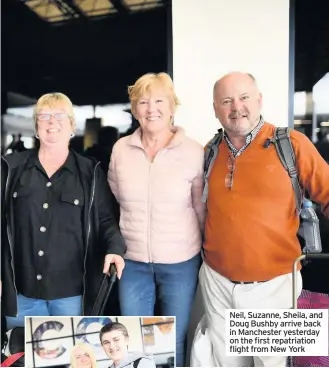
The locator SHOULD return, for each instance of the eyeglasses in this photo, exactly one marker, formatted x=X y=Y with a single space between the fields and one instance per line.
x=229 y=177
x=58 y=116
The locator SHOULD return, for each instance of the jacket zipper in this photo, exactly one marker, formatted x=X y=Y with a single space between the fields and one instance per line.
x=149 y=213
x=8 y=233
x=88 y=234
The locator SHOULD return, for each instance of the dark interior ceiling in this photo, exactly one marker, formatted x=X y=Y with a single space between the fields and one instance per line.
x=94 y=61
x=311 y=42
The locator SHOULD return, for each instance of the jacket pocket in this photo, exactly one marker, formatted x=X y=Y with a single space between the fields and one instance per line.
x=73 y=199
x=22 y=192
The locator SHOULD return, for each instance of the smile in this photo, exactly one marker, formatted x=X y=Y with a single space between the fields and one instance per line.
x=239 y=117
x=53 y=130
x=153 y=118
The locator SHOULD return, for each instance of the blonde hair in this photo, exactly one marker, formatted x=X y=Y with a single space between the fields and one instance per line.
x=146 y=83
x=51 y=100
x=87 y=349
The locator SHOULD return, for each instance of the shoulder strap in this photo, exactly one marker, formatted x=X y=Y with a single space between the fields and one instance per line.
x=9 y=362
x=136 y=362
x=287 y=157
x=210 y=155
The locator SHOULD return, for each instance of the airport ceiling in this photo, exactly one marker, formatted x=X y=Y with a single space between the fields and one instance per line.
x=90 y=58
x=92 y=49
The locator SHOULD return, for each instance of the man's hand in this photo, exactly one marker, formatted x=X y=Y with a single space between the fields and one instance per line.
x=117 y=260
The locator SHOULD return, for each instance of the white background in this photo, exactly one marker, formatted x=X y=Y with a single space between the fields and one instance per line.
x=214 y=37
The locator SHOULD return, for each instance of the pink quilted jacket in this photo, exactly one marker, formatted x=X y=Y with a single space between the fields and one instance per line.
x=162 y=215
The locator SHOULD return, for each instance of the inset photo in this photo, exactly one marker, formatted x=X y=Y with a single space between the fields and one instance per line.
x=102 y=342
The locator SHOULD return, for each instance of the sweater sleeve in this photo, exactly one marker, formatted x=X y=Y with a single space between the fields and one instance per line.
x=313 y=171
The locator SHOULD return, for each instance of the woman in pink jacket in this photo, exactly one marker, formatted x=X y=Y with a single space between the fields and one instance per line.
x=156 y=175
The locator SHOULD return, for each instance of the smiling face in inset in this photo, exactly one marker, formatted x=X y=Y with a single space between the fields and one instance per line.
x=115 y=345
x=82 y=358
x=237 y=103
x=54 y=125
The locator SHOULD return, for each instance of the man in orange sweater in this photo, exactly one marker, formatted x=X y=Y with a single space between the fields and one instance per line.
x=251 y=226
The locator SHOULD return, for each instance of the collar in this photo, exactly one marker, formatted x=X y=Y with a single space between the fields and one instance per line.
x=249 y=138
x=136 y=138
x=253 y=133
x=69 y=164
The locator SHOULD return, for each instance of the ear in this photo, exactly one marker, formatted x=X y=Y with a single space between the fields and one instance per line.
x=134 y=112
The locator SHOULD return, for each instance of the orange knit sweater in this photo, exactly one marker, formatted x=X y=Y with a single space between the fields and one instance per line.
x=251 y=228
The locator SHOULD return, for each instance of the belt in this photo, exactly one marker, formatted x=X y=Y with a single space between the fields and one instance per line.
x=247 y=282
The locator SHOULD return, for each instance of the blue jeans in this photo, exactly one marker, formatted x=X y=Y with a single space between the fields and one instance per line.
x=37 y=307
x=176 y=285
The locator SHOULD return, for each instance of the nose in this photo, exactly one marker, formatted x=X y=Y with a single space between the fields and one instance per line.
x=52 y=119
x=151 y=106
x=236 y=104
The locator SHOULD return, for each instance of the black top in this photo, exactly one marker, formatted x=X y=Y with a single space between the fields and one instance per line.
x=100 y=231
x=49 y=247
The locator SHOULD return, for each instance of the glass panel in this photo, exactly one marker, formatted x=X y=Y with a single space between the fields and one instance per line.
x=47 y=10
x=95 y=7
x=44 y=9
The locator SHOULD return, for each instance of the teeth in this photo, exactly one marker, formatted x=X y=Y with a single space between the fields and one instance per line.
x=154 y=118
x=53 y=130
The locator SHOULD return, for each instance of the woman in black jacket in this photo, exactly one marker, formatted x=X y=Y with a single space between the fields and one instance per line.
x=59 y=231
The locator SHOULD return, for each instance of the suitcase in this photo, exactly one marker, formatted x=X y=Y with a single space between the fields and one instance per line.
x=104 y=292
x=306 y=257
x=294 y=361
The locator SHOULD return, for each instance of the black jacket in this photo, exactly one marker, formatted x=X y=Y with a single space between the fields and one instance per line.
x=101 y=232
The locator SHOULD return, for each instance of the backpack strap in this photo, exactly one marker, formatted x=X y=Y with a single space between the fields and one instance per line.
x=136 y=362
x=287 y=157
x=210 y=155
x=9 y=362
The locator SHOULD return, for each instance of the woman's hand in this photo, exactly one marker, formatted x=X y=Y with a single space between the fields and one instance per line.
x=117 y=260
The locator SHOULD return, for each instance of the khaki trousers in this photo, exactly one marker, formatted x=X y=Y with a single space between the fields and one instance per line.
x=220 y=294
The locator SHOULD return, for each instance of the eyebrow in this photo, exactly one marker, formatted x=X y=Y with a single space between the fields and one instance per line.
x=50 y=110
x=156 y=97
x=231 y=97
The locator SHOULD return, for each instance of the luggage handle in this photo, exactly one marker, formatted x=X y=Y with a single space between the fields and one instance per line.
x=317 y=256
x=107 y=283
x=113 y=272
x=308 y=256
